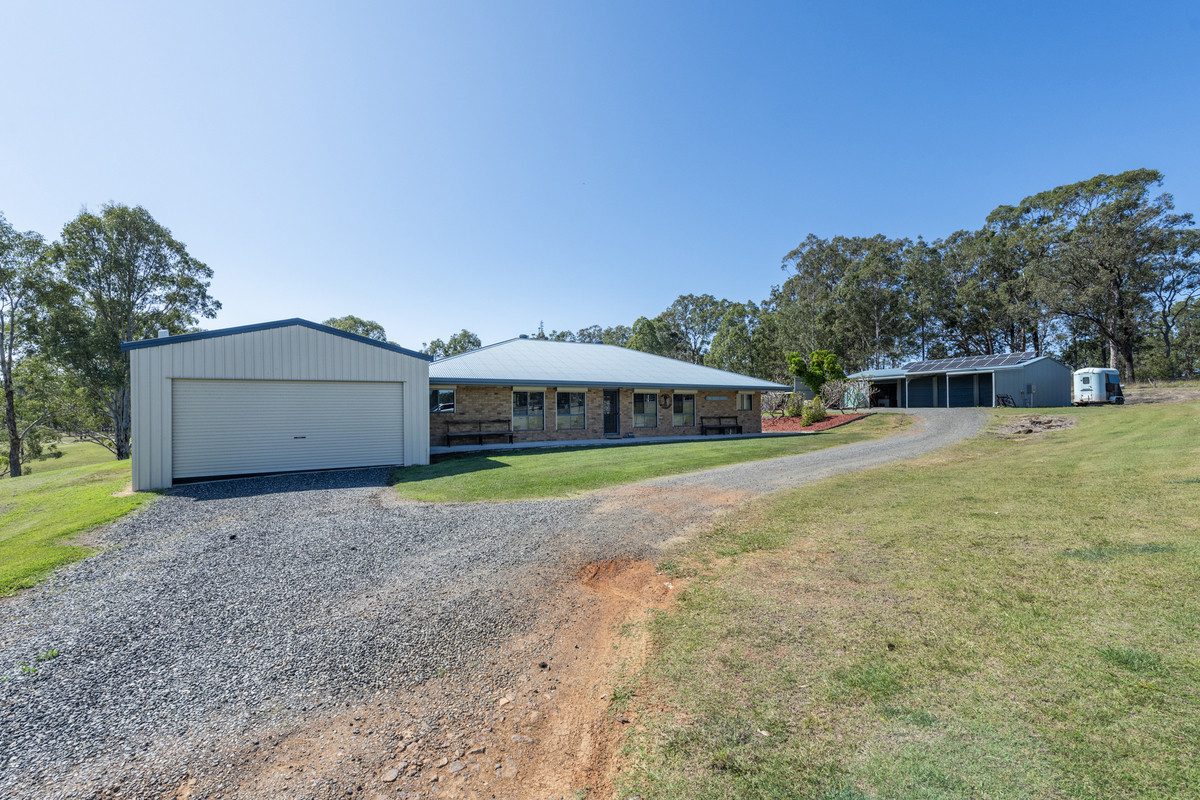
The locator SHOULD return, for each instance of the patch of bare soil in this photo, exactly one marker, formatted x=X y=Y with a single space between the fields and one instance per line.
x=1161 y=395
x=540 y=720
x=1035 y=425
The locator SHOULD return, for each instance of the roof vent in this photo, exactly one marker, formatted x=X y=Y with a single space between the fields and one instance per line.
x=162 y=334
x=524 y=336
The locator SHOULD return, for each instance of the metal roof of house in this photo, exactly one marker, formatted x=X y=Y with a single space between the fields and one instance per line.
x=266 y=326
x=534 y=362
x=881 y=374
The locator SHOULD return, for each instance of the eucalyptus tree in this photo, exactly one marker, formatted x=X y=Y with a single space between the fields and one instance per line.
x=732 y=345
x=358 y=326
x=24 y=280
x=120 y=277
x=461 y=342
x=924 y=276
x=644 y=337
x=1105 y=234
x=693 y=319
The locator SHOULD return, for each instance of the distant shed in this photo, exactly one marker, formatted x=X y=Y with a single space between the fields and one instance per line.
x=281 y=396
x=1031 y=380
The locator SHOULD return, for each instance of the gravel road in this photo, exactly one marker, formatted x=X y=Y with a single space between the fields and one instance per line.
x=224 y=605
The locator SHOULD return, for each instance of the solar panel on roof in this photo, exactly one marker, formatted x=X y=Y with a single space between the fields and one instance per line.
x=969 y=362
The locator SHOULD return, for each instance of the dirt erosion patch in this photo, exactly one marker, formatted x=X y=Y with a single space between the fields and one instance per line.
x=794 y=425
x=545 y=718
x=1035 y=425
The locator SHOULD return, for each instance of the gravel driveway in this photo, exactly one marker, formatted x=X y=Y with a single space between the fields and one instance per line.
x=226 y=604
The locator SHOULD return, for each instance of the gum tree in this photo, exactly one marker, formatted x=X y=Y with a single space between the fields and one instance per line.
x=120 y=277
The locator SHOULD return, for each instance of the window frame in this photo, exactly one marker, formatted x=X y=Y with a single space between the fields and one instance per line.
x=749 y=399
x=643 y=414
x=529 y=393
x=433 y=393
x=559 y=416
x=677 y=415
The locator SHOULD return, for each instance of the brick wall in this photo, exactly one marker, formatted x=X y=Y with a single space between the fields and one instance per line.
x=495 y=403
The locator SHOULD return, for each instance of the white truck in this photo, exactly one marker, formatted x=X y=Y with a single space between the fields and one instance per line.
x=1096 y=385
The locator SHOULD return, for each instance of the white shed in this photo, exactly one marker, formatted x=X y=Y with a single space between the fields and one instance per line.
x=281 y=396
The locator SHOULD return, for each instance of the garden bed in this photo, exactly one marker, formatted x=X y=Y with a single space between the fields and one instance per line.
x=793 y=424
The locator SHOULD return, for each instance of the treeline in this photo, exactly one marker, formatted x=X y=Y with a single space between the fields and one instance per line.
x=1098 y=272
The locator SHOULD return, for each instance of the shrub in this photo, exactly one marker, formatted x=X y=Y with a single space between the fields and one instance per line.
x=795 y=405
x=814 y=411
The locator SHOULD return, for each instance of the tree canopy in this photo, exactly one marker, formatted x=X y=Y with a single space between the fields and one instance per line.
x=359 y=326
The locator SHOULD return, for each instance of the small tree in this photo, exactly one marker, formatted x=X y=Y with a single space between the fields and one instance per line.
x=821 y=366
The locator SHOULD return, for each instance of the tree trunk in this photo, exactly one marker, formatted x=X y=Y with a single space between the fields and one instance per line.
x=14 y=434
x=121 y=422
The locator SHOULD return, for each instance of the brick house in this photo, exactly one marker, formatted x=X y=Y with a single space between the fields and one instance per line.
x=534 y=390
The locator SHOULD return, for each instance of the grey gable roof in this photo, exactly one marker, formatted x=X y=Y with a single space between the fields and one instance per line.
x=266 y=326
x=537 y=362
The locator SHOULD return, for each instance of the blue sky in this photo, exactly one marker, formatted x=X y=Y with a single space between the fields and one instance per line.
x=435 y=166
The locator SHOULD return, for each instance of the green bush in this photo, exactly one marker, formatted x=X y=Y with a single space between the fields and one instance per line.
x=814 y=411
x=795 y=406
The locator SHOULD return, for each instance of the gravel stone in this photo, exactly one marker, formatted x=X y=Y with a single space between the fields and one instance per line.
x=225 y=606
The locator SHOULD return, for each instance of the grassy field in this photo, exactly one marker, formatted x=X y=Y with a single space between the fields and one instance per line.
x=535 y=473
x=1009 y=618
x=41 y=511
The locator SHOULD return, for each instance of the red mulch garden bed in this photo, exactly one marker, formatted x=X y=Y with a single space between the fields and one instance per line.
x=792 y=424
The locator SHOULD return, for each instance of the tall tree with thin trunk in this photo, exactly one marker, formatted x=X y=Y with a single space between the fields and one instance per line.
x=122 y=276
x=1106 y=234
x=24 y=279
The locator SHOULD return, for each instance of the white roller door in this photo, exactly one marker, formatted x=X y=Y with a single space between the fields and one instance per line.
x=231 y=427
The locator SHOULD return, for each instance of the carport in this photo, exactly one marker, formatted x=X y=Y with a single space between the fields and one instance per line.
x=972 y=381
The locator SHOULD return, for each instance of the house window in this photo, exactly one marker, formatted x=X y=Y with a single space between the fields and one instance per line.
x=571 y=411
x=745 y=402
x=441 y=401
x=529 y=411
x=685 y=410
x=645 y=410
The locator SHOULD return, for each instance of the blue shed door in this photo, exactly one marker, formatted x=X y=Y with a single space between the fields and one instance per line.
x=920 y=392
x=985 y=390
x=962 y=391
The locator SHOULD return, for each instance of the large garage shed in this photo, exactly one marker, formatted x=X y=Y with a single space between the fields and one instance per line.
x=282 y=396
x=1029 y=379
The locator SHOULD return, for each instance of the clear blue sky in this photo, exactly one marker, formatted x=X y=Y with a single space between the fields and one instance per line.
x=441 y=165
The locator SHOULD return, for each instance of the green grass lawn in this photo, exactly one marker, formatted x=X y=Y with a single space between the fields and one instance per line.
x=534 y=473
x=1003 y=619
x=41 y=511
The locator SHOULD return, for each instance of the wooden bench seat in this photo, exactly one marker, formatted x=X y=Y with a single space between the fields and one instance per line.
x=720 y=425
x=477 y=428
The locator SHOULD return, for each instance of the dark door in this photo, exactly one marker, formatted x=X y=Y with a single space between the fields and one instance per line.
x=920 y=392
x=962 y=391
x=612 y=412
x=985 y=390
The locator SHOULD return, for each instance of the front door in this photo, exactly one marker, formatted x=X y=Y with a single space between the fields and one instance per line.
x=612 y=412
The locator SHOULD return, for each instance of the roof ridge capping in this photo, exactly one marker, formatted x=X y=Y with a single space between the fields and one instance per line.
x=266 y=326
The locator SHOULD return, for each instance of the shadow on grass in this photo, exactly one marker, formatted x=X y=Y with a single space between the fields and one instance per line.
x=446 y=467
x=1103 y=552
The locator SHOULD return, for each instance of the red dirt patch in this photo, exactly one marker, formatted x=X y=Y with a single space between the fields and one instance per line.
x=793 y=424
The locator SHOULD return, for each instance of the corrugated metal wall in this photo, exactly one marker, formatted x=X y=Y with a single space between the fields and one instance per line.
x=1052 y=379
x=293 y=353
